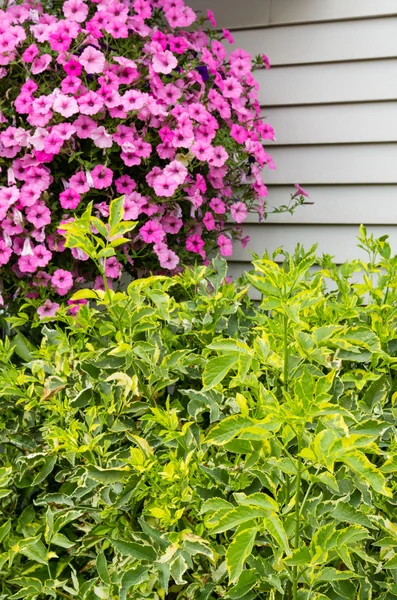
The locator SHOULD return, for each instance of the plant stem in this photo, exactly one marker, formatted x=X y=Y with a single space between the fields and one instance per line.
x=286 y=353
x=295 y=576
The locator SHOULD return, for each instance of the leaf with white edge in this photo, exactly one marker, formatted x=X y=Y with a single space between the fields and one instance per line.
x=331 y=574
x=237 y=516
x=274 y=526
x=131 y=578
x=364 y=469
x=391 y=563
x=227 y=429
x=390 y=465
x=178 y=569
x=259 y=500
x=32 y=548
x=345 y=512
x=88 y=295
x=135 y=549
x=238 y=552
x=102 y=568
x=299 y=557
x=217 y=368
x=116 y=213
x=230 y=345
x=214 y=504
x=247 y=581
x=107 y=476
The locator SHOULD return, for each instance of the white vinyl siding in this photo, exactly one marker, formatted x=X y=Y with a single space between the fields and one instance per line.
x=331 y=97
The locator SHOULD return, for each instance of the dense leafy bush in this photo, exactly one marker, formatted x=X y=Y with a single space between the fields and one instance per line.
x=177 y=442
x=110 y=98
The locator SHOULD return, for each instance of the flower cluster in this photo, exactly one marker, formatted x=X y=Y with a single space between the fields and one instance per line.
x=105 y=98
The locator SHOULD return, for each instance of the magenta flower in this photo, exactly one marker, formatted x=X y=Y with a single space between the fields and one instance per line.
x=211 y=18
x=102 y=177
x=239 y=211
x=218 y=206
x=5 y=253
x=152 y=232
x=301 y=191
x=125 y=184
x=41 y=63
x=48 y=309
x=62 y=281
x=92 y=60
x=75 y=10
x=194 y=243
x=42 y=255
x=168 y=259
x=225 y=245
x=65 y=105
x=164 y=62
x=69 y=199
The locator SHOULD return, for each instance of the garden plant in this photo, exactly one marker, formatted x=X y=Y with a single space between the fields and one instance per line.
x=180 y=441
x=103 y=99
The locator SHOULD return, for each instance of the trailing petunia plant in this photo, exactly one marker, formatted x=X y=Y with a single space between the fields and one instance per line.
x=102 y=99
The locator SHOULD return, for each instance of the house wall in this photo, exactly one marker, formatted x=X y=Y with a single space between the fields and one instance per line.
x=331 y=96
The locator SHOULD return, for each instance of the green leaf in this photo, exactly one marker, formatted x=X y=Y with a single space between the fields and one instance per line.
x=100 y=226
x=217 y=368
x=247 y=581
x=108 y=476
x=259 y=500
x=331 y=574
x=116 y=212
x=299 y=557
x=237 y=516
x=82 y=398
x=131 y=578
x=275 y=527
x=345 y=512
x=364 y=469
x=230 y=345
x=32 y=548
x=227 y=429
x=238 y=552
x=391 y=563
x=135 y=549
x=102 y=568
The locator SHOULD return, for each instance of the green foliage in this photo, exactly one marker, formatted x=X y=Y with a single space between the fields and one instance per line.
x=178 y=442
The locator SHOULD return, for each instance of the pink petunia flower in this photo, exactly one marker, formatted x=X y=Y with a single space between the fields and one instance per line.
x=168 y=259
x=225 y=245
x=5 y=253
x=41 y=63
x=194 y=243
x=42 y=255
x=92 y=60
x=218 y=206
x=125 y=184
x=102 y=177
x=239 y=212
x=48 y=309
x=152 y=232
x=69 y=199
x=65 y=105
x=211 y=18
x=62 y=281
x=75 y=10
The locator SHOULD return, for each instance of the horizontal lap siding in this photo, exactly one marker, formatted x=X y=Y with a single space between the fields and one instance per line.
x=241 y=14
x=331 y=97
x=334 y=124
x=329 y=83
x=317 y=42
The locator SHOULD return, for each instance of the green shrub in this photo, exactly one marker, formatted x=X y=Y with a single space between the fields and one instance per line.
x=178 y=442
